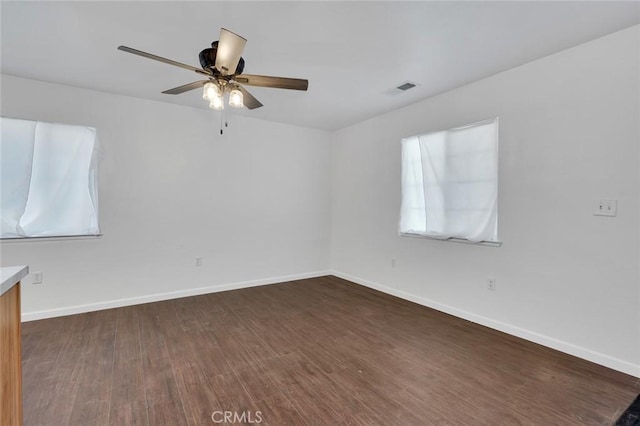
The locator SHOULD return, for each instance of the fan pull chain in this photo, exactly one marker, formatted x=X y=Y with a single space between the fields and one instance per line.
x=226 y=123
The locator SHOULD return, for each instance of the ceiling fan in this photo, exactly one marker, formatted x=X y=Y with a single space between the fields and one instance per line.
x=222 y=66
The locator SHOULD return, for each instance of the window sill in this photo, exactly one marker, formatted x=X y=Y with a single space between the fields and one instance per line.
x=454 y=240
x=57 y=238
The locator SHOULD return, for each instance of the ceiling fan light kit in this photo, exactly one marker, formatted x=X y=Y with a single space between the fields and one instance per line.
x=222 y=64
x=214 y=93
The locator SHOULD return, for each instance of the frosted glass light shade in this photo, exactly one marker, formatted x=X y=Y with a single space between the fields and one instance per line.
x=210 y=91
x=235 y=98
x=217 y=102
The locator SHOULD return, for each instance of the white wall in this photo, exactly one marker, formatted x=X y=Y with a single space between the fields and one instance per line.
x=254 y=203
x=569 y=135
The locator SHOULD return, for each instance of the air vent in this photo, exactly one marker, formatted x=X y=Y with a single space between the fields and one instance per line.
x=401 y=87
x=406 y=86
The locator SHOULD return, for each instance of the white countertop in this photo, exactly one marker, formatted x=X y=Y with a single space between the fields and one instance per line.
x=11 y=275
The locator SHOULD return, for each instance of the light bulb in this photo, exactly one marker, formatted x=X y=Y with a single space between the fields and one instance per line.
x=217 y=102
x=210 y=91
x=235 y=98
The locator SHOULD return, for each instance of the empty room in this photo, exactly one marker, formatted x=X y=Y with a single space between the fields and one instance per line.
x=319 y=213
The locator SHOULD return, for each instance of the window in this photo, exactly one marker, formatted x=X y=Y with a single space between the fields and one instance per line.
x=48 y=180
x=450 y=183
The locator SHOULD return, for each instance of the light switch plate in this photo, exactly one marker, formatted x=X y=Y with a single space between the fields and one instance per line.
x=605 y=208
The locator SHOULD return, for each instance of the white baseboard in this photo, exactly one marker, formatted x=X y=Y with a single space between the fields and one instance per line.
x=571 y=349
x=90 y=307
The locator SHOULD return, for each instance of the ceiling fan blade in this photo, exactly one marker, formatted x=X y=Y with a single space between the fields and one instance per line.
x=161 y=59
x=186 y=87
x=276 y=82
x=230 y=48
x=248 y=99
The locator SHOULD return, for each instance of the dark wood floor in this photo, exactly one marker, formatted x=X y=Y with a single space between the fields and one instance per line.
x=319 y=351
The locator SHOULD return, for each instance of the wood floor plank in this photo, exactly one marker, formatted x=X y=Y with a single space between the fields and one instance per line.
x=311 y=390
x=278 y=410
x=166 y=412
x=128 y=395
x=234 y=337
x=164 y=405
x=310 y=352
x=95 y=370
x=259 y=386
x=198 y=397
x=230 y=394
x=130 y=414
x=38 y=383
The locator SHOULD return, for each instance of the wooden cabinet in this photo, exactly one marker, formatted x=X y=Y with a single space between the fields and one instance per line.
x=10 y=357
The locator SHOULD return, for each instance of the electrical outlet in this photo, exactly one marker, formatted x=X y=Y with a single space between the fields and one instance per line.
x=198 y=261
x=37 y=277
x=491 y=283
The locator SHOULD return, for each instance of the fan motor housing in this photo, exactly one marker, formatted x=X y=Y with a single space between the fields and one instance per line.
x=208 y=59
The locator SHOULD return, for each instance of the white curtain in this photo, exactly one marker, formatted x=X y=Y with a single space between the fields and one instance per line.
x=48 y=179
x=450 y=183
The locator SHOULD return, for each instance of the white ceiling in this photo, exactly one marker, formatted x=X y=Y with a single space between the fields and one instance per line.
x=351 y=52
